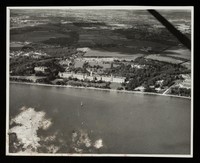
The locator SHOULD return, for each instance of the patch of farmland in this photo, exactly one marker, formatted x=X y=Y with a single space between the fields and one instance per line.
x=102 y=37
x=178 y=52
x=158 y=57
x=97 y=38
x=36 y=36
x=16 y=44
x=143 y=43
x=98 y=53
x=187 y=64
x=123 y=50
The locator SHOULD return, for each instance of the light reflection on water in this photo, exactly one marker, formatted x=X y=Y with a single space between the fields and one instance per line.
x=126 y=123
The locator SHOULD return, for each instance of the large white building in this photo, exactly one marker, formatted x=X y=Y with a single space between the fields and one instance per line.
x=92 y=77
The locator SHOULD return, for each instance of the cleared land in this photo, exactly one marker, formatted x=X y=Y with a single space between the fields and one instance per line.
x=36 y=36
x=187 y=64
x=16 y=44
x=158 y=57
x=98 y=53
x=174 y=55
x=181 y=52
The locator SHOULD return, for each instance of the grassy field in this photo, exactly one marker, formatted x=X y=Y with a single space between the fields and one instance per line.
x=103 y=53
x=187 y=64
x=115 y=85
x=179 y=52
x=36 y=36
x=16 y=44
x=163 y=58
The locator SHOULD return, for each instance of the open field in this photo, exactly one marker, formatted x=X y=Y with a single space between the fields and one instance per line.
x=163 y=58
x=179 y=52
x=16 y=44
x=187 y=64
x=36 y=36
x=113 y=41
x=98 y=53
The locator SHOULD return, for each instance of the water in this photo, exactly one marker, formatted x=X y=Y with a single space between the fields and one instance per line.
x=122 y=123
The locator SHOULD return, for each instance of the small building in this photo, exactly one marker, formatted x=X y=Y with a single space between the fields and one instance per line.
x=79 y=76
x=65 y=62
x=158 y=89
x=36 y=56
x=152 y=86
x=160 y=82
x=85 y=49
x=41 y=69
x=72 y=75
x=186 y=83
x=118 y=79
x=137 y=66
x=65 y=74
x=106 y=78
x=90 y=78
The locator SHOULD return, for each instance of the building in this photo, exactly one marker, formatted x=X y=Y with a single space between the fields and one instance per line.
x=41 y=69
x=72 y=75
x=79 y=76
x=160 y=82
x=186 y=82
x=92 y=77
x=83 y=49
x=64 y=74
x=36 y=56
x=65 y=62
x=106 y=78
x=137 y=66
x=118 y=79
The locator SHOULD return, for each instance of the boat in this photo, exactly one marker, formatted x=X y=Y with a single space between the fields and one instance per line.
x=81 y=103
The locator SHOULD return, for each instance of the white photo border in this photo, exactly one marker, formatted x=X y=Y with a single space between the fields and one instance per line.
x=191 y=8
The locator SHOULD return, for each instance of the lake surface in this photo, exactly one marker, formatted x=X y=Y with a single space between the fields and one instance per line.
x=121 y=123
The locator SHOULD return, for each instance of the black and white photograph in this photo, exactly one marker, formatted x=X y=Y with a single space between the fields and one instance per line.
x=99 y=81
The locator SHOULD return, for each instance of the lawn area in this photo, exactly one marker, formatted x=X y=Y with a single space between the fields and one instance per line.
x=114 y=85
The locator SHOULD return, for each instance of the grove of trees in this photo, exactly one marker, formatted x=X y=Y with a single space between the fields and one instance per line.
x=150 y=74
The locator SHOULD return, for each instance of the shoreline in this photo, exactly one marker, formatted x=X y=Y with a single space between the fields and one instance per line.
x=99 y=89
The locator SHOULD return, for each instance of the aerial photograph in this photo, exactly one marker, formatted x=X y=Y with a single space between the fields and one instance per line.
x=88 y=81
